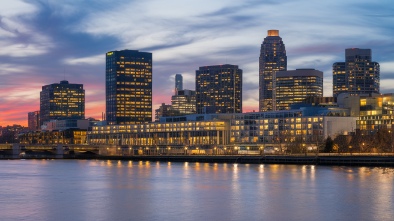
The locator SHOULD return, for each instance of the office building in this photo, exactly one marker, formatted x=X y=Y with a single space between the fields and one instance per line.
x=62 y=101
x=219 y=89
x=128 y=87
x=357 y=75
x=291 y=87
x=165 y=110
x=272 y=59
x=33 y=120
x=184 y=102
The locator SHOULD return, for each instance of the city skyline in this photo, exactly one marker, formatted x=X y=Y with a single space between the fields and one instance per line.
x=44 y=43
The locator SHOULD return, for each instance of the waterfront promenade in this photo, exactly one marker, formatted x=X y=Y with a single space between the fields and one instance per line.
x=90 y=152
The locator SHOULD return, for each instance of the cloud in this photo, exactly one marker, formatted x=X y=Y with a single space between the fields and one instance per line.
x=92 y=60
x=18 y=39
x=46 y=41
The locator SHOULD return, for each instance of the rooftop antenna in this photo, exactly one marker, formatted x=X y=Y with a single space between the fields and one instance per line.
x=64 y=73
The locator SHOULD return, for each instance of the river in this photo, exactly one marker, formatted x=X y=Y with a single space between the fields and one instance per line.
x=125 y=190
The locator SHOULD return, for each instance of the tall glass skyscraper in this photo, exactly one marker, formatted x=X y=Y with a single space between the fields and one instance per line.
x=62 y=101
x=128 y=87
x=178 y=83
x=272 y=59
x=357 y=75
x=219 y=89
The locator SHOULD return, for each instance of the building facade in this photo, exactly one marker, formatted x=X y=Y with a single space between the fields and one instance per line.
x=178 y=83
x=165 y=110
x=374 y=111
x=184 y=102
x=62 y=101
x=272 y=59
x=229 y=133
x=33 y=120
x=294 y=86
x=128 y=87
x=69 y=136
x=219 y=89
x=357 y=75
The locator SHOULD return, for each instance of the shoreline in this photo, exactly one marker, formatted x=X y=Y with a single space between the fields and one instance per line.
x=380 y=161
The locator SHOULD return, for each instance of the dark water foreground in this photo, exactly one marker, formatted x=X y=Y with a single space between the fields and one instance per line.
x=146 y=190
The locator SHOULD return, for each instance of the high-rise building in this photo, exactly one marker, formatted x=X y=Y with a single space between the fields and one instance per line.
x=272 y=59
x=295 y=86
x=62 y=101
x=128 y=87
x=184 y=101
x=219 y=89
x=178 y=83
x=33 y=120
x=165 y=110
x=357 y=75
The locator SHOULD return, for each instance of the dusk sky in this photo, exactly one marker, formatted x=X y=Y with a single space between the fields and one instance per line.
x=45 y=41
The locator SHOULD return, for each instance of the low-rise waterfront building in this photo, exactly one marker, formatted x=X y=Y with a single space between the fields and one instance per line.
x=227 y=132
x=373 y=111
x=66 y=124
x=69 y=136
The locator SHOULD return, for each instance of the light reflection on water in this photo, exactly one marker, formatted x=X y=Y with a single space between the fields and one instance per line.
x=142 y=190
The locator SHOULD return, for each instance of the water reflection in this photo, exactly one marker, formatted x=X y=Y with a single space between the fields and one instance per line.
x=144 y=190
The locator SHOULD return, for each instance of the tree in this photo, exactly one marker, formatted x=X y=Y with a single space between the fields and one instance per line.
x=329 y=145
x=295 y=146
x=382 y=140
x=342 y=141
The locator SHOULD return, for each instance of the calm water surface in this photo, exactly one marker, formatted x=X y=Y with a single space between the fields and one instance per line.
x=122 y=190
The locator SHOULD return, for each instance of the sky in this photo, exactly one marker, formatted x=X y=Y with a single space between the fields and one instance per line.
x=46 y=41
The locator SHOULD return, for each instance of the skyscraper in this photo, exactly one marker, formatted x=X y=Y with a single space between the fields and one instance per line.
x=128 y=87
x=62 y=101
x=295 y=86
x=33 y=120
x=272 y=59
x=219 y=89
x=178 y=83
x=357 y=75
